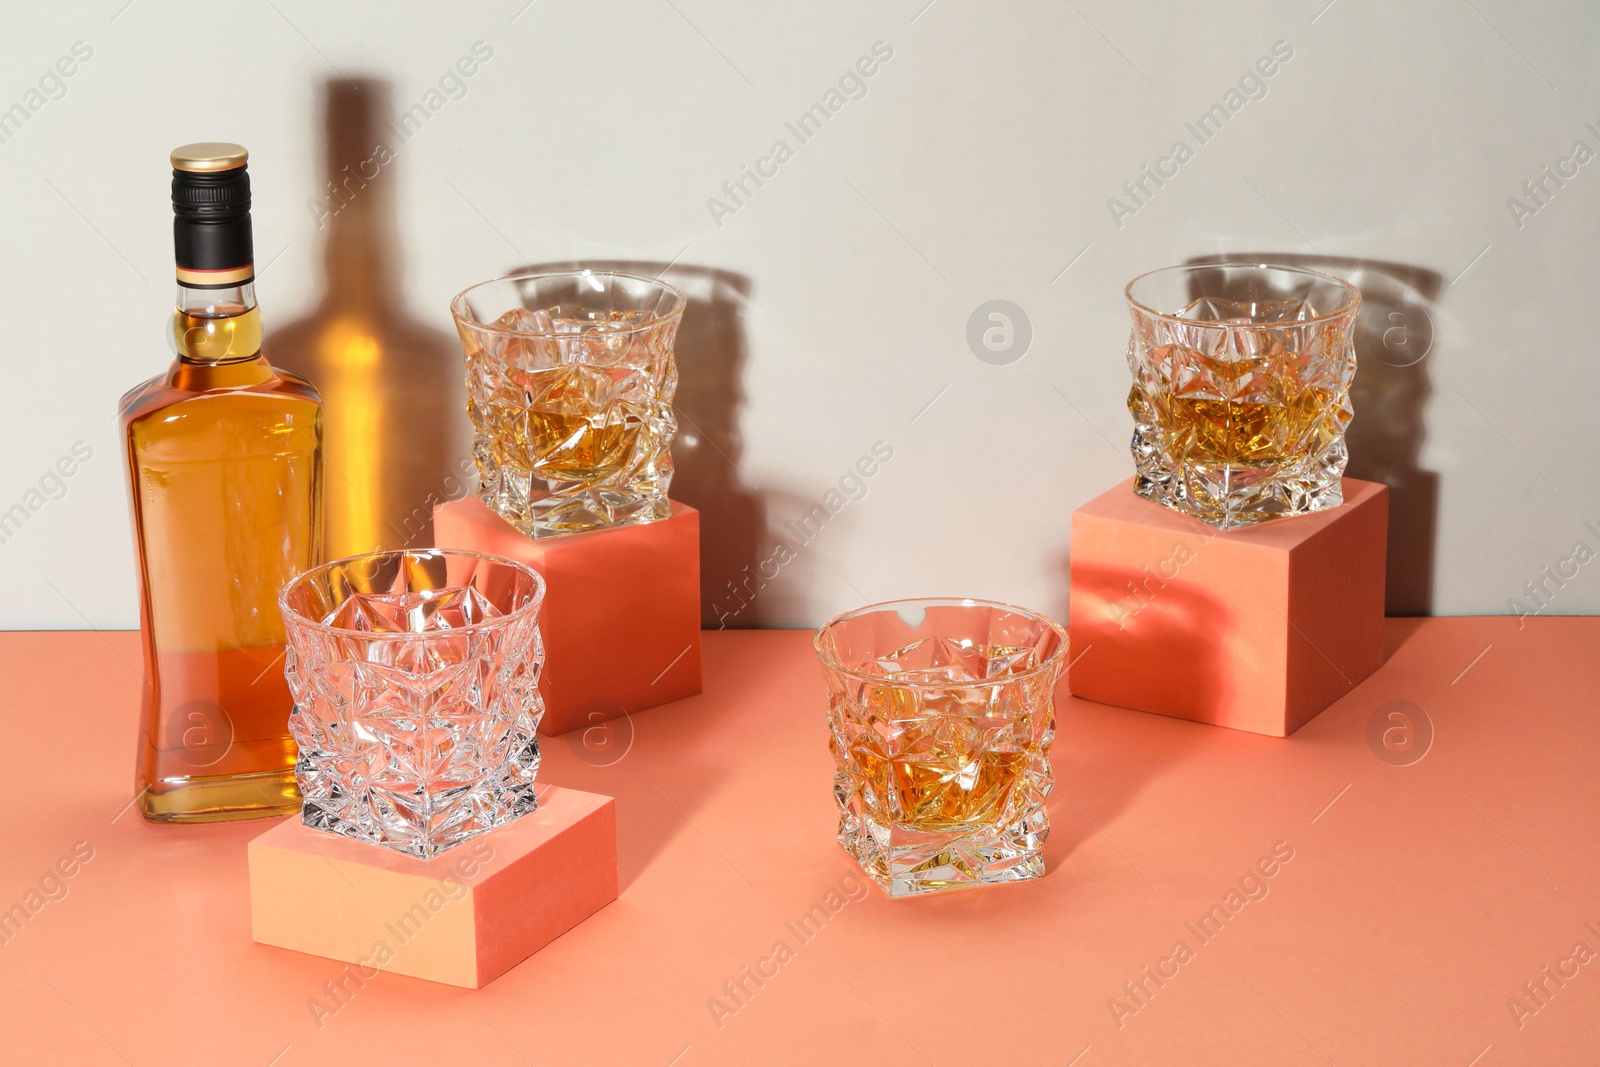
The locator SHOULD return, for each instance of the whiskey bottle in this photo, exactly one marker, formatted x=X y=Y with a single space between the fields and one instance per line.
x=224 y=458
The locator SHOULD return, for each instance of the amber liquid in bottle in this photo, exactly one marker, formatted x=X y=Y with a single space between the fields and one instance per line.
x=225 y=458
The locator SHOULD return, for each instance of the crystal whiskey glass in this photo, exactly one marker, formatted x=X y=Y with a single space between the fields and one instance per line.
x=570 y=378
x=940 y=715
x=415 y=681
x=1241 y=389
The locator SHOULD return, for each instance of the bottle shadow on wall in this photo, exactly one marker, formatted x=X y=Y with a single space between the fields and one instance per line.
x=1394 y=341
x=710 y=351
x=397 y=439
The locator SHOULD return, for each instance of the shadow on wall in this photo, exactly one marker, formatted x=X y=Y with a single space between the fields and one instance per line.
x=1394 y=339
x=397 y=438
x=710 y=351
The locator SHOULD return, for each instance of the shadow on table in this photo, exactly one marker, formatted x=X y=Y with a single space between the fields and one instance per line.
x=1397 y=632
x=1168 y=642
x=660 y=783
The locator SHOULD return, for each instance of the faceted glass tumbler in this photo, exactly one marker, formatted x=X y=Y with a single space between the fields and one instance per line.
x=415 y=681
x=570 y=378
x=941 y=714
x=1241 y=389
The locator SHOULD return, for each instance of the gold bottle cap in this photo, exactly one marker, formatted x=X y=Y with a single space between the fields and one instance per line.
x=206 y=156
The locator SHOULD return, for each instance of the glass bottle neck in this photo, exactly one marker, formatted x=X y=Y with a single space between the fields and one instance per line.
x=217 y=326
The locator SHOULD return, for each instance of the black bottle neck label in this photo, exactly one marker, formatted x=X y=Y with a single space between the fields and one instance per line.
x=211 y=235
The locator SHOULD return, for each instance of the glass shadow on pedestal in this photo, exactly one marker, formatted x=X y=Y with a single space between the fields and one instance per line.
x=397 y=438
x=1393 y=339
x=710 y=353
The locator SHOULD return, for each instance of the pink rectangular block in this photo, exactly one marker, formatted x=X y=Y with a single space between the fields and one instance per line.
x=1255 y=629
x=464 y=917
x=621 y=614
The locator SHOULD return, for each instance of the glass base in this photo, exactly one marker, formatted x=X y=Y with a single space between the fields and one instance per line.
x=553 y=516
x=1230 y=499
x=221 y=798
x=905 y=862
x=433 y=826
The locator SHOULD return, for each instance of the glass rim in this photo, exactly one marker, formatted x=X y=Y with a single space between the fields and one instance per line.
x=832 y=663
x=460 y=312
x=531 y=607
x=1344 y=310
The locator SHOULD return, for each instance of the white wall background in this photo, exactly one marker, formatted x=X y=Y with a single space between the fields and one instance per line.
x=977 y=166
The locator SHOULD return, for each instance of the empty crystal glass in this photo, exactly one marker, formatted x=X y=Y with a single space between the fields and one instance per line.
x=570 y=378
x=941 y=715
x=415 y=681
x=1241 y=389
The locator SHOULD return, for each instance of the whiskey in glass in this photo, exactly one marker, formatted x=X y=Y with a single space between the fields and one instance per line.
x=1241 y=389
x=570 y=379
x=941 y=714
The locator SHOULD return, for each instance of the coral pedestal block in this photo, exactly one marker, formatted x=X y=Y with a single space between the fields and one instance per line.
x=464 y=917
x=1255 y=629
x=621 y=614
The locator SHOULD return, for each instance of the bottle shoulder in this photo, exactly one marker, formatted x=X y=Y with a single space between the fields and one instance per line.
x=137 y=397
x=296 y=384
x=240 y=386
